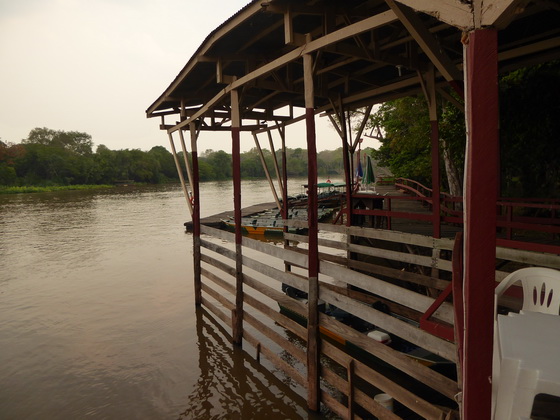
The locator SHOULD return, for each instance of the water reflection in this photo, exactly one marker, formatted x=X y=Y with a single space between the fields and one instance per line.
x=232 y=384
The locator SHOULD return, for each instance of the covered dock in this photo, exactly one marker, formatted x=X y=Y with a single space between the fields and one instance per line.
x=282 y=62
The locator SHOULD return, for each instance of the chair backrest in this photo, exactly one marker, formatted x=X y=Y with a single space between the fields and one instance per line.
x=541 y=289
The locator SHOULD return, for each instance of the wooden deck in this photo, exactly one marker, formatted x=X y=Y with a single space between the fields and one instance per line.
x=401 y=206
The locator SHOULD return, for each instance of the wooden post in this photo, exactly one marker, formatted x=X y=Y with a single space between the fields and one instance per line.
x=282 y=131
x=481 y=190
x=196 y=217
x=313 y=371
x=347 y=166
x=266 y=172
x=275 y=160
x=434 y=136
x=350 y=374
x=236 y=162
x=180 y=173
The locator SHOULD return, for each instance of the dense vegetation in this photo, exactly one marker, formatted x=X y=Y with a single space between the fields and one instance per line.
x=50 y=157
x=529 y=133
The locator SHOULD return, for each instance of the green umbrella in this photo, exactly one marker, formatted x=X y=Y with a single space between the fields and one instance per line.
x=369 y=177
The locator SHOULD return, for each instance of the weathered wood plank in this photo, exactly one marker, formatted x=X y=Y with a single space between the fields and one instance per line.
x=389 y=291
x=287 y=255
x=295 y=351
x=277 y=361
x=275 y=274
x=397 y=274
x=528 y=257
x=218 y=296
x=393 y=325
x=218 y=264
x=389 y=235
x=396 y=359
x=385 y=384
x=426 y=261
x=217 y=312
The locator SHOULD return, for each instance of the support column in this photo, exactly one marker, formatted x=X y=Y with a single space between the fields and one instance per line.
x=196 y=217
x=434 y=136
x=236 y=172
x=480 y=198
x=348 y=175
x=313 y=368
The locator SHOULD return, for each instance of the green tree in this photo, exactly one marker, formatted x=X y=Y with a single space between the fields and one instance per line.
x=73 y=141
x=529 y=131
x=167 y=169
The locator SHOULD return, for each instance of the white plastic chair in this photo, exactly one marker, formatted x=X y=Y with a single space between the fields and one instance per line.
x=515 y=381
x=541 y=289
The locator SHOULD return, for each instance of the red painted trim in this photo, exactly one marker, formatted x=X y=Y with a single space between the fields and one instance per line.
x=480 y=221
x=434 y=327
x=529 y=246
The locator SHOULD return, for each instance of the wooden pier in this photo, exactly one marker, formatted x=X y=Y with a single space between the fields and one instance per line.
x=215 y=220
x=427 y=287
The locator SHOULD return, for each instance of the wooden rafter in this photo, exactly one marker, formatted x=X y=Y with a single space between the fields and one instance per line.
x=344 y=33
x=426 y=40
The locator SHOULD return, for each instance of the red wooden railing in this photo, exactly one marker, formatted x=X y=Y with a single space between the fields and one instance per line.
x=512 y=216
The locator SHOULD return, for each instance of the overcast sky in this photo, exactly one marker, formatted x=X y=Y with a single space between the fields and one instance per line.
x=95 y=66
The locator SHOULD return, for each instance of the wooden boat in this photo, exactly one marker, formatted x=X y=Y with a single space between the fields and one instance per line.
x=271 y=222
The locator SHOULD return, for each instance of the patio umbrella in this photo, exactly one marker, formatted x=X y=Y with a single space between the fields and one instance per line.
x=369 y=176
x=359 y=171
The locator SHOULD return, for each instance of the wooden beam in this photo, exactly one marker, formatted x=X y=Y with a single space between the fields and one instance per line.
x=312 y=46
x=267 y=172
x=454 y=12
x=236 y=172
x=426 y=41
x=481 y=192
x=500 y=13
x=313 y=344
x=196 y=216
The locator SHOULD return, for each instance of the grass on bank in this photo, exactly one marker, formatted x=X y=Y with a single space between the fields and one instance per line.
x=51 y=188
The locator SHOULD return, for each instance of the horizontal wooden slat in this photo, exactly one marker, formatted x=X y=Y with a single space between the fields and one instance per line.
x=276 y=360
x=228 y=253
x=397 y=274
x=332 y=404
x=528 y=257
x=277 y=252
x=219 y=297
x=398 y=392
x=218 y=264
x=396 y=359
x=218 y=280
x=393 y=325
x=293 y=350
x=275 y=274
x=427 y=261
x=389 y=291
x=390 y=235
x=275 y=315
x=217 y=312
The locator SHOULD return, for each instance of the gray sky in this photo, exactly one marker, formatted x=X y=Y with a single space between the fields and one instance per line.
x=95 y=66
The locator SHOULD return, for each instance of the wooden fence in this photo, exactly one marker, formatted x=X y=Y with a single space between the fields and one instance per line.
x=358 y=268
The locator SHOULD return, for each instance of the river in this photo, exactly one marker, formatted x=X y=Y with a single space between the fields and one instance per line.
x=97 y=316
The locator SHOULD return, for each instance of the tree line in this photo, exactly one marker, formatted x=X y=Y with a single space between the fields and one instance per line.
x=529 y=135
x=55 y=157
